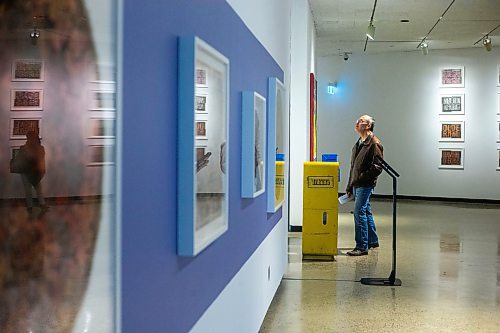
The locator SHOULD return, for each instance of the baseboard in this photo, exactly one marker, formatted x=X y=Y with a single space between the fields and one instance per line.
x=442 y=199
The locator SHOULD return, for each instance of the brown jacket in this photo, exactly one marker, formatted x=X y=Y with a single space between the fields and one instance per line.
x=364 y=167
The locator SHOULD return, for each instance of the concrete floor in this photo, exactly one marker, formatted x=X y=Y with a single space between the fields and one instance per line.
x=448 y=259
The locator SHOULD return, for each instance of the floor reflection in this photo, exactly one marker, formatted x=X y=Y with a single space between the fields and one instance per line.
x=45 y=260
x=448 y=258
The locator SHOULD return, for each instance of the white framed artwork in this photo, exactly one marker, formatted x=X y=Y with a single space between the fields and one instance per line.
x=452 y=104
x=498 y=159
x=203 y=141
x=26 y=99
x=451 y=158
x=452 y=77
x=27 y=70
x=253 y=144
x=452 y=131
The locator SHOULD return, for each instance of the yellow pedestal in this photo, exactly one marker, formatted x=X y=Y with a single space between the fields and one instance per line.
x=320 y=210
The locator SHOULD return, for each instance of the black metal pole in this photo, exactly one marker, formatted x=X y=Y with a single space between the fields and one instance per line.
x=392 y=280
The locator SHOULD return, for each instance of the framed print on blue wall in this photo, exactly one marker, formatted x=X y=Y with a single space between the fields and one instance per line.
x=276 y=138
x=253 y=143
x=202 y=168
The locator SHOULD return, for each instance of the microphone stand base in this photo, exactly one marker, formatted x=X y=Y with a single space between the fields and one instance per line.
x=381 y=282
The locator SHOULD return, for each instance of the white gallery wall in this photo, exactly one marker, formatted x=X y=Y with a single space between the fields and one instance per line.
x=402 y=92
x=303 y=62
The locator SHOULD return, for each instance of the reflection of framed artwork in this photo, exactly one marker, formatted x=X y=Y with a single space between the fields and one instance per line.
x=201 y=77
x=20 y=126
x=31 y=99
x=451 y=158
x=452 y=104
x=102 y=100
x=253 y=144
x=100 y=155
x=452 y=77
x=201 y=103
x=27 y=70
x=201 y=129
x=202 y=200
x=276 y=138
x=202 y=157
x=101 y=128
x=106 y=73
x=452 y=131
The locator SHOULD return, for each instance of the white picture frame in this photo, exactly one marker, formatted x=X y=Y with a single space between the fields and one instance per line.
x=452 y=131
x=100 y=154
x=452 y=77
x=498 y=131
x=101 y=128
x=27 y=70
x=26 y=99
x=498 y=103
x=253 y=144
x=498 y=159
x=203 y=193
x=276 y=144
x=102 y=100
x=20 y=126
x=451 y=158
x=498 y=76
x=452 y=104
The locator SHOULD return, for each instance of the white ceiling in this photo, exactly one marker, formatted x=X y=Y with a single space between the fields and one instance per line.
x=341 y=24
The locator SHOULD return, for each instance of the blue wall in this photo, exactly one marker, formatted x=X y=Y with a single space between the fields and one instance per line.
x=162 y=292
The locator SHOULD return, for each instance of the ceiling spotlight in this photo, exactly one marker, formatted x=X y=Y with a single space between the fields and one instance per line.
x=370 y=32
x=35 y=34
x=425 y=48
x=487 y=43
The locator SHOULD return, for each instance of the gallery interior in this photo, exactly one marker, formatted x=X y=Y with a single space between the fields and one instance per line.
x=153 y=167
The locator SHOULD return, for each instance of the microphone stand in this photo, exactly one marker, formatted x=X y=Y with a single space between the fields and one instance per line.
x=391 y=280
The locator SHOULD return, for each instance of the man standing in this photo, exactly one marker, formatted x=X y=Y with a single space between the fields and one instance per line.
x=362 y=180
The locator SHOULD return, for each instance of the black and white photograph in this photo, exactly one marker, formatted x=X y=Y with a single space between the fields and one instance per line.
x=452 y=104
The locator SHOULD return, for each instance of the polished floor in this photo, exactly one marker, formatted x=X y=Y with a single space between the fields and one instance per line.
x=448 y=259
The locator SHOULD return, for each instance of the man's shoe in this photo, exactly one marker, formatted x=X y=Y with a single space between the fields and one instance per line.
x=373 y=246
x=357 y=252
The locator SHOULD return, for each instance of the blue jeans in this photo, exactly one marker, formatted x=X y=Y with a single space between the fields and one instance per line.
x=364 y=225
